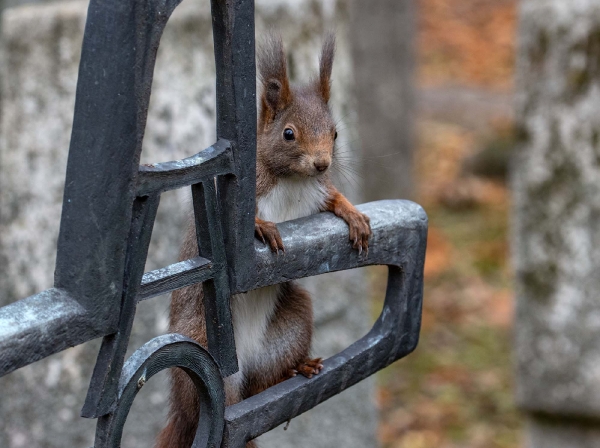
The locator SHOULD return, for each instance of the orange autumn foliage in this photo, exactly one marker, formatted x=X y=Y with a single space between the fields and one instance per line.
x=467 y=42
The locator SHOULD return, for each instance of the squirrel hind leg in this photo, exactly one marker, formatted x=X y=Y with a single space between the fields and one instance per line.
x=183 y=414
x=310 y=367
x=178 y=433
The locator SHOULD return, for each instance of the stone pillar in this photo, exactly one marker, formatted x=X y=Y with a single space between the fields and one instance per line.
x=40 y=403
x=556 y=180
x=383 y=47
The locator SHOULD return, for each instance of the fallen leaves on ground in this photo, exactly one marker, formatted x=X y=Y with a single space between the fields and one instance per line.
x=456 y=389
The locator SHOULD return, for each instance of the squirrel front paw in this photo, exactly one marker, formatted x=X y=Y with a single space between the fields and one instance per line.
x=360 y=230
x=267 y=232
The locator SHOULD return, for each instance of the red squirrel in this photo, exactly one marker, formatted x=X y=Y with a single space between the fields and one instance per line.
x=272 y=325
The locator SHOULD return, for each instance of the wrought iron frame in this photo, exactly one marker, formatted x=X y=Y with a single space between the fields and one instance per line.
x=109 y=208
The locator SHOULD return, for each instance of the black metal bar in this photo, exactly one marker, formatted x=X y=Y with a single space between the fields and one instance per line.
x=113 y=90
x=209 y=235
x=399 y=231
x=214 y=160
x=41 y=325
x=160 y=353
x=233 y=35
x=102 y=393
x=397 y=226
x=175 y=276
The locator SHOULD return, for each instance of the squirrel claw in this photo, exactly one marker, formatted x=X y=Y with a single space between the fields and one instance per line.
x=360 y=231
x=268 y=233
x=259 y=233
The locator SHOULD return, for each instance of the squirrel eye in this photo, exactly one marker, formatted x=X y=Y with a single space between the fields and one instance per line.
x=288 y=134
x=335 y=136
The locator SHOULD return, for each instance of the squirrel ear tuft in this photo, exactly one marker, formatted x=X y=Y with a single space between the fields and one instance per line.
x=326 y=65
x=276 y=92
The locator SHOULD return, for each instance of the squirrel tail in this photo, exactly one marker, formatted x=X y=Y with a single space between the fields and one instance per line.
x=184 y=410
x=183 y=415
x=178 y=433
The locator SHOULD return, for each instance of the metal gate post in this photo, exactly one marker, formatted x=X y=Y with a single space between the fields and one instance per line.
x=109 y=208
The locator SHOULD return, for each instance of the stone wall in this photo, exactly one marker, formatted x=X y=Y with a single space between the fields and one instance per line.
x=385 y=90
x=41 y=44
x=556 y=224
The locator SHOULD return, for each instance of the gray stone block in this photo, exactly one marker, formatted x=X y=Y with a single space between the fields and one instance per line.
x=557 y=205
x=552 y=433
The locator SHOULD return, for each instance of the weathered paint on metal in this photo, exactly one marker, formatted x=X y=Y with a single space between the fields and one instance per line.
x=175 y=276
x=163 y=352
x=41 y=325
x=233 y=35
x=209 y=238
x=113 y=92
x=213 y=161
x=102 y=393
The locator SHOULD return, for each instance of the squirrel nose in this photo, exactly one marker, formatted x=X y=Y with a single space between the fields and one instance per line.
x=321 y=166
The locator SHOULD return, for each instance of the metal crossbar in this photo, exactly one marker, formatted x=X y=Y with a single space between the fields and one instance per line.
x=109 y=208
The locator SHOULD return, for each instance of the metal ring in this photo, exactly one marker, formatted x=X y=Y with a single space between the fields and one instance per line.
x=163 y=352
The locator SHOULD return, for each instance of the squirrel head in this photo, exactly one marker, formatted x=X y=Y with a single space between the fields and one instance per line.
x=296 y=131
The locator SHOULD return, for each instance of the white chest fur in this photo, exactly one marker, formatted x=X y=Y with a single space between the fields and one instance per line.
x=252 y=312
x=291 y=199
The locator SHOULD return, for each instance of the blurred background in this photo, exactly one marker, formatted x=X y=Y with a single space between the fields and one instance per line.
x=457 y=388
x=486 y=112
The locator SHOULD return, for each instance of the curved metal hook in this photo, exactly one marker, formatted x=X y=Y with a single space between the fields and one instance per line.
x=162 y=352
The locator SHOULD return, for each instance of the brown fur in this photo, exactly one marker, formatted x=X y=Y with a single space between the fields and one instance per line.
x=326 y=66
x=358 y=223
x=305 y=110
